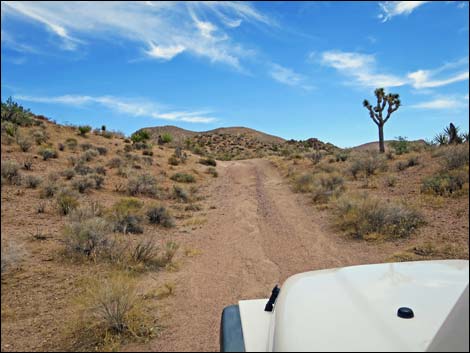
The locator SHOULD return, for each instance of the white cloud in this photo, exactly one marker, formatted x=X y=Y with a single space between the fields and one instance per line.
x=395 y=8
x=161 y=29
x=287 y=76
x=166 y=53
x=361 y=67
x=427 y=78
x=443 y=103
x=133 y=107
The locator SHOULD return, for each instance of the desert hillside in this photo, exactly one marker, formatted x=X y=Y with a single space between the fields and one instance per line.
x=90 y=216
x=233 y=143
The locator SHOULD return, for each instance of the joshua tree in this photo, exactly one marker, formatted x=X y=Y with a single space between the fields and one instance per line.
x=376 y=113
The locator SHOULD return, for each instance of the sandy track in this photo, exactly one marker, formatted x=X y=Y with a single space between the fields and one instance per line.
x=259 y=234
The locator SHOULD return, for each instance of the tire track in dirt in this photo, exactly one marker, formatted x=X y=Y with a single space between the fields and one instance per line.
x=259 y=234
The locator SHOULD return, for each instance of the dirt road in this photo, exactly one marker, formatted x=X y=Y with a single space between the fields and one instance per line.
x=259 y=234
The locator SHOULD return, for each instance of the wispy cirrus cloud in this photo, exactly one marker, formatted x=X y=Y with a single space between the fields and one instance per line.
x=396 y=8
x=444 y=103
x=132 y=107
x=361 y=67
x=161 y=30
x=288 y=76
x=440 y=76
x=364 y=71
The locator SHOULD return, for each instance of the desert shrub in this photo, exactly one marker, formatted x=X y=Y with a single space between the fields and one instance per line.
x=147 y=152
x=410 y=162
x=12 y=255
x=144 y=184
x=362 y=216
x=167 y=138
x=315 y=157
x=28 y=163
x=102 y=151
x=342 y=156
x=446 y=183
x=208 y=161
x=47 y=153
x=84 y=129
x=9 y=130
x=68 y=173
x=212 y=171
x=169 y=253
x=145 y=252
x=124 y=172
x=326 y=185
x=98 y=180
x=455 y=157
x=173 y=160
x=86 y=146
x=49 y=189
x=71 y=143
x=367 y=164
x=100 y=170
x=160 y=215
x=61 y=146
x=115 y=162
x=180 y=194
x=125 y=216
x=24 y=142
x=183 y=178
x=82 y=169
x=83 y=183
x=86 y=237
x=41 y=207
x=10 y=172
x=32 y=181
x=147 y=160
x=66 y=201
x=400 y=146
x=13 y=112
x=39 y=136
x=111 y=311
x=303 y=183
x=140 y=136
x=88 y=155
x=390 y=181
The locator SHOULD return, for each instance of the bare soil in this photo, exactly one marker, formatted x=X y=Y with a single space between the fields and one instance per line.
x=259 y=234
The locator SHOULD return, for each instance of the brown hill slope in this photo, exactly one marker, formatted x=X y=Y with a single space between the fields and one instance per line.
x=235 y=142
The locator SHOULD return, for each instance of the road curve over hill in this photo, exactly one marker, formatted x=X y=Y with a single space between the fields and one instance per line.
x=259 y=234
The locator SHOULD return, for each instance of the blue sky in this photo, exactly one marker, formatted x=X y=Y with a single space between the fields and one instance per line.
x=292 y=69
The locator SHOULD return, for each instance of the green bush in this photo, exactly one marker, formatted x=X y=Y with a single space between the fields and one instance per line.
x=47 y=153
x=401 y=146
x=180 y=194
x=71 y=143
x=183 y=178
x=362 y=216
x=84 y=129
x=87 y=236
x=125 y=216
x=167 y=138
x=212 y=171
x=173 y=160
x=160 y=215
x=208 y=161
x=66 y=202
x=140 y=136
x=446 y=183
